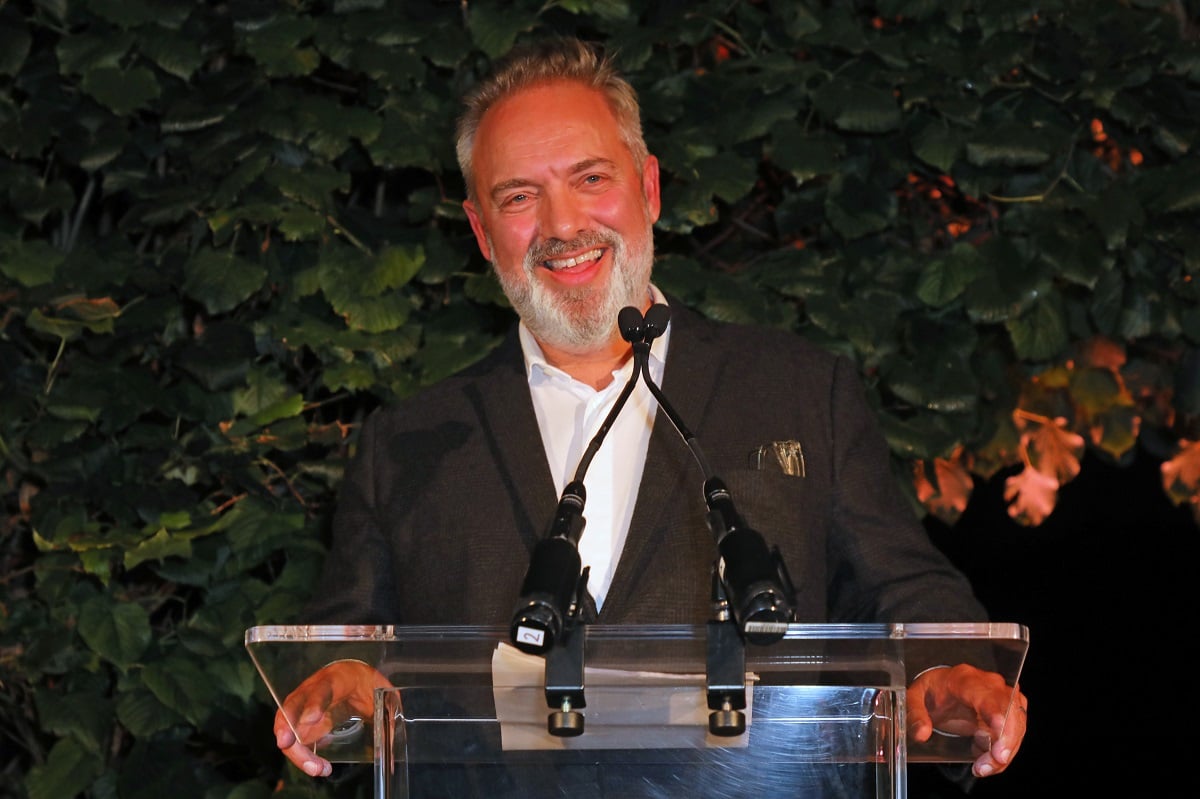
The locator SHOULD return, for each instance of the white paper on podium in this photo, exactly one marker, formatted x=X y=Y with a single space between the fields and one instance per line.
x=625 y=709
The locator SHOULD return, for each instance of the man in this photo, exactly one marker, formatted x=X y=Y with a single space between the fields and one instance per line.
x=450 y=490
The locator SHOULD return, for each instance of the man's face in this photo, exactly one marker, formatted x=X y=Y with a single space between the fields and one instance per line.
x=564 y=213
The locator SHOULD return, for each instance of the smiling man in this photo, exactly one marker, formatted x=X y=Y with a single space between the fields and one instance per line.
x=564 y=210
x=449 y=491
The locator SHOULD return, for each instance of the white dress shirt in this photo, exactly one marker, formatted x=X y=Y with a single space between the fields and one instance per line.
x=569 y=413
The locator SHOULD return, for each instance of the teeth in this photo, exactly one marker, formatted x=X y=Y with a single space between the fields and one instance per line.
x=567 y=263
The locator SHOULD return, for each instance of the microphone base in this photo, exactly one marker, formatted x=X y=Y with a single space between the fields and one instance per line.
x=564 y=684
x=726 y=675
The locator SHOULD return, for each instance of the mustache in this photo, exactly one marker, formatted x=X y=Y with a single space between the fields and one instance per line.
x=556 y=248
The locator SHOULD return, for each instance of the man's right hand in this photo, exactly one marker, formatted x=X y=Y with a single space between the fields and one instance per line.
x=330 y=696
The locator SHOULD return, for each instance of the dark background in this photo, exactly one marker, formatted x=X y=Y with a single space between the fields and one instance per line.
x=1102 y=585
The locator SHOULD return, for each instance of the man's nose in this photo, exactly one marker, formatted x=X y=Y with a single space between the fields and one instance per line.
x=562 y=215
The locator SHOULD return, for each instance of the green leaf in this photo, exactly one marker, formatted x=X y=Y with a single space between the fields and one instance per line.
x=944 y=279
x=259 y=530
x=118 y=632
x=142 y=713
x=856 y=208
x=727 y=176
x=265 y=386
x=287 y=408
x=219 y=358
x=276 y=45
x=1080 y=260
x=175 y=53
x=256 y=790
x=180 y=683
x=127 y=13
x=926 y=436
x=604 y=9
x=400 y=142
x=731 y=300
x=160 y=546
x=1040 y=334
x=1008 y=144
x=856 y=108
x=1182 y=197
x=797 y=20
x=15 y=42
x=222 y=280
x=1114 y=212
x=353 y=376
x=301 y=224
x=801 y=155
x=686 y=206
x=1095 y=389
x=32 y=263
x=166 y=767
x=313 y=185
x=122 y=91
x=68 y=771
x=495 y=27
x=941 y=380
x=1006 y=284
x=1138 y=313
x=93 y=48
x=1118 y=428
x=395 y=266
x=85 y=716
x=938 y=145
x=373 y=314
x=35 y=199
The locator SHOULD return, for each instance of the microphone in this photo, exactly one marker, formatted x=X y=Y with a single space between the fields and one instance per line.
x=755 y=579
x=554 y=584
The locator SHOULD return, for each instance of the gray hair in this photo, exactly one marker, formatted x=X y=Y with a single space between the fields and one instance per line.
x=544 y=62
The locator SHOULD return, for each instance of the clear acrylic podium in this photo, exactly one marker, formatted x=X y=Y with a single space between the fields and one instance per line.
x=468 y=715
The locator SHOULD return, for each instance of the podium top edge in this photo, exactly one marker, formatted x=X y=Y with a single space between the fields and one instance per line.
x=394 y=632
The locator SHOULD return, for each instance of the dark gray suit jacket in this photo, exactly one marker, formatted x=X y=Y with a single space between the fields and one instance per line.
x=450 y=490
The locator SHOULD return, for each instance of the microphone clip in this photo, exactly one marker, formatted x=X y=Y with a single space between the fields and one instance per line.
x=755 y=583
x=554 y=584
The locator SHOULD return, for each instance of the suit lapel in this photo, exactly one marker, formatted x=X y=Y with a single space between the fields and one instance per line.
x=510 y=428
x=671 y=478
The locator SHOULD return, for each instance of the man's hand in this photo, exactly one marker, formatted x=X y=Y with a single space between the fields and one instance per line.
x=966 y=701
x=329 y=697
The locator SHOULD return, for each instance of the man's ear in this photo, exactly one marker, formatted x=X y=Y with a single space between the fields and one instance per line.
x=650 y=187
x=478 y=229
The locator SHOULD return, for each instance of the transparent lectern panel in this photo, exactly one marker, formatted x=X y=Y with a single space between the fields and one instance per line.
x=449 y=704
x=803 y=741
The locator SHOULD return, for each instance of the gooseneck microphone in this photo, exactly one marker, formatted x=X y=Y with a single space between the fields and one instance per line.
x=554 y=583
x=755 y=579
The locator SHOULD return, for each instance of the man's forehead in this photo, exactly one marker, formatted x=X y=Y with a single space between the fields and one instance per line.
x=565 y=107
x=559 y=129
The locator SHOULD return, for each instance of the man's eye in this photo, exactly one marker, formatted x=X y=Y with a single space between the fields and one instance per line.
x=592 y=179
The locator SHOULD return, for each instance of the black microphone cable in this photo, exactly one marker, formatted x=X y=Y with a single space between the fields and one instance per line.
x=554 y=583
x=757 y=586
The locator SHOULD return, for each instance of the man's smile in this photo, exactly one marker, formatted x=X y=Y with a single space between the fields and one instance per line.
x=584 y=259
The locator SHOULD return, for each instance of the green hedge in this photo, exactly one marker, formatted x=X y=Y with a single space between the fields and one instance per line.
x=228 y=231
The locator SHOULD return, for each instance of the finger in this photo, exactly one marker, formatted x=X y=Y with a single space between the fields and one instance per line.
x=307 y=761
x=283 y=728
x=1012 y=733
x=920 y=723
x=303 y=757
x=1007 y=742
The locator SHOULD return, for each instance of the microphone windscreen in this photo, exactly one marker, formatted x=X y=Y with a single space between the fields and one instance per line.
x=632 y=326
x=656 y=320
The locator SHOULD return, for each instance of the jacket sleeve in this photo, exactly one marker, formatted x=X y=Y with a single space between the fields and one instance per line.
x=358 y=581
x=883 y=566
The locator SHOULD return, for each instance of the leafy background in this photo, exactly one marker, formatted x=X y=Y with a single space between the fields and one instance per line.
x=228 y=231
